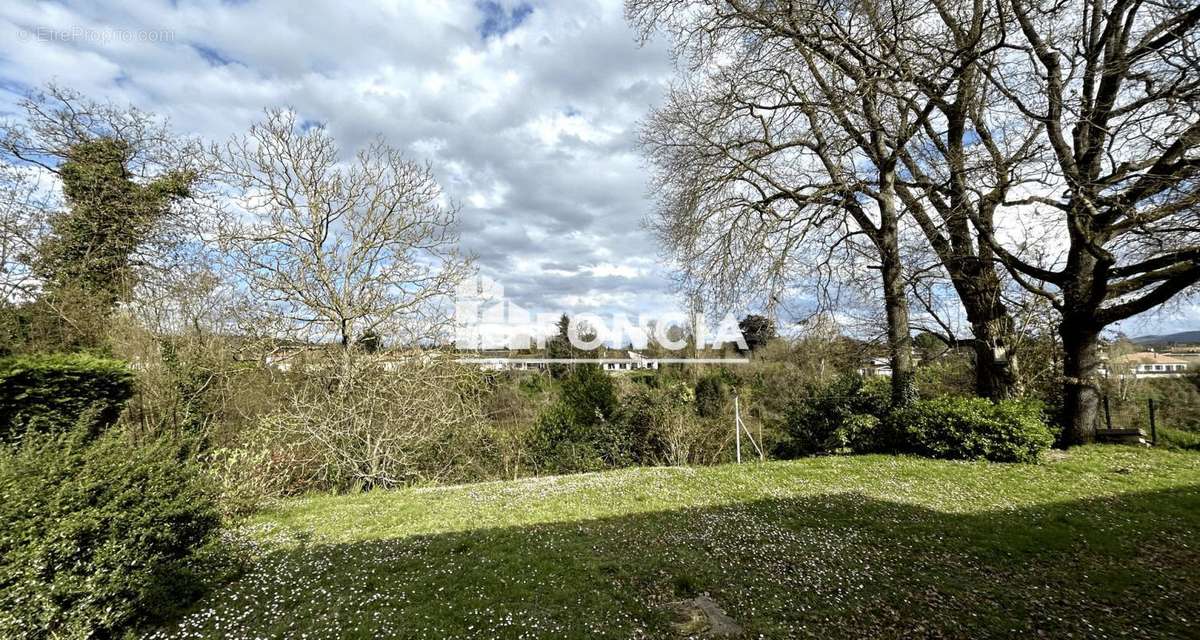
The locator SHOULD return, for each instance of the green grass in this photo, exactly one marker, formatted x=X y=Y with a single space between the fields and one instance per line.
x=1098 y=542
x=1179 y=439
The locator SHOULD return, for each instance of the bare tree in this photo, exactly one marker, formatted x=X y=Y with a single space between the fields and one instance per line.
x=783 y=132
x=1079 y=119
x=56 y=119
x=337 y=252
x=956 y=173
x=21 y=203
x=333 y=248
x=1107 y=96
x=887 y=87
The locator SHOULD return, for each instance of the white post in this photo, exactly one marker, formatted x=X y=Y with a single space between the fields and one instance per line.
x=737 y=427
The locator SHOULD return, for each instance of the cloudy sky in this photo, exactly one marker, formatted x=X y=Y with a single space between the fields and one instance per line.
x=527 y=110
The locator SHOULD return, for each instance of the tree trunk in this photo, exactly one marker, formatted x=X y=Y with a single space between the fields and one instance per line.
x=978 y=287
x=996 y=373
x=895 y=298
x=898 y=335
x=1081 y=388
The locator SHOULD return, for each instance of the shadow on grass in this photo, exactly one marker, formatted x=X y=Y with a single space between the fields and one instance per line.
x=833 y=566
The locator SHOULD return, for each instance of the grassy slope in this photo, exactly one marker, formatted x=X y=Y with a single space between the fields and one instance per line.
x=1097 y=542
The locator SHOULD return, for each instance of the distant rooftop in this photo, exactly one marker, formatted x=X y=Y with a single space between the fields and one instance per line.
x=1148 y=357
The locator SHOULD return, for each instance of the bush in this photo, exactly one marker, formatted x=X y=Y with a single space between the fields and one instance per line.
x=97 y=539
x=255 y=471
x=859 y=432
x=665 y=428
x=972 y=429
x=842 y=415
x=711 y=396
x=584 y=430
x=51 y=393
x=590 y=395
x=505 y=402
x=559 y=444
x=534 y=384
x=651 y=379
x=363 y=425
x=645 y=411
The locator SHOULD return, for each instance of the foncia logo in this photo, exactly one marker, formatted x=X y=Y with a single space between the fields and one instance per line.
x=485 y=320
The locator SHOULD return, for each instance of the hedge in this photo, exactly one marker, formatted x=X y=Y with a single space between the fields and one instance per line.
x=54 y=392
x=100 y=537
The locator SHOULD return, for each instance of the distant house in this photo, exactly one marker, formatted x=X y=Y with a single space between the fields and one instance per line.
x=502 y=361
x=634 y=361
x=1147 y=364
x=880 y=366
x=877 y=366
x=286 y=359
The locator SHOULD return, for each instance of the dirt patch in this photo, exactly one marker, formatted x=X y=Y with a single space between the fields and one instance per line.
x=700 y=617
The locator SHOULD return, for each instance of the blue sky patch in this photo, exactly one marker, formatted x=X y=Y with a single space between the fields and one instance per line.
x=211 y=55
x=499 y=20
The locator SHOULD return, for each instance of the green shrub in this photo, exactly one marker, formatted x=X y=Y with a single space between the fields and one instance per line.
x=711 y=396
x=859 y=432
x=101 y=538
x=835 y=417
x=646 y=378
x=50 y=393
x=643 y=410
x=584 y=430
x=972 y=429
x=590 y=395
x=259 y=469
x=559 y=443
x=534 y=383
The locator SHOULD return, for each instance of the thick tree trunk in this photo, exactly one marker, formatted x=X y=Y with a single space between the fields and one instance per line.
x=973 y=274
x=1080 y=333
x=970 y=262
x=996 y=373
x=1081 y=388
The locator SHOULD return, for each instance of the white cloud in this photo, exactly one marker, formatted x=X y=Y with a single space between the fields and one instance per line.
x=528 y=113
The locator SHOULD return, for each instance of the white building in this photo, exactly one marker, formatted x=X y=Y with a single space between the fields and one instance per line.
x=1148 y=364
x=633 y=362
x=877 y=367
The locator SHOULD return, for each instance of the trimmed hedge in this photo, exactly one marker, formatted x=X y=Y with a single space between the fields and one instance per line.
x=54 y=392
x=100 y=537
x=972 y=429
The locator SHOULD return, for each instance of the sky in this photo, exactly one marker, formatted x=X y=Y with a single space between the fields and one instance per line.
x=528 y=112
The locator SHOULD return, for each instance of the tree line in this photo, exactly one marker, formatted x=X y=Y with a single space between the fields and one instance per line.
x=1010 y=150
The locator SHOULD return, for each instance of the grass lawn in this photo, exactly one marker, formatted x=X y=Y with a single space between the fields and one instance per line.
x=1097 y=542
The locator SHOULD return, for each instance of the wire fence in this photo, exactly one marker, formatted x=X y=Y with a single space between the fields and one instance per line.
x=1152 y=416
